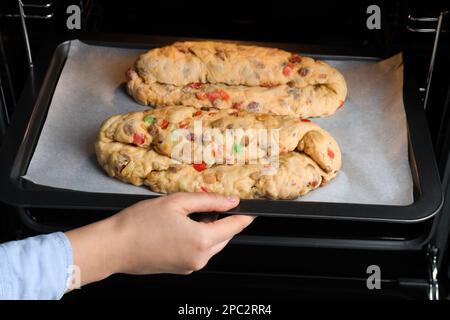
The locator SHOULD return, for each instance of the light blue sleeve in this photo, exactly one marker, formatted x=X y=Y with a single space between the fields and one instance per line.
x=35 y=268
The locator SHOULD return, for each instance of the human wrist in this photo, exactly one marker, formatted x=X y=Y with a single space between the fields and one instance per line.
x=94 y=250
x=113 y=246
x=118 y=244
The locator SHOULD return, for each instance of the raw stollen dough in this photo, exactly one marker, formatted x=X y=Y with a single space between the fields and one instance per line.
x=226 y=75
x=128 y=149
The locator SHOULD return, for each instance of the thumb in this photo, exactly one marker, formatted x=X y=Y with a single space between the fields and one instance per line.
x=203 y=202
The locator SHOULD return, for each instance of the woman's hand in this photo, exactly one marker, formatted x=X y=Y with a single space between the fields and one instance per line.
x=155 y=236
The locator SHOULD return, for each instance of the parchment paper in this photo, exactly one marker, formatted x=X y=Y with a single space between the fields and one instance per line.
x=370 y=129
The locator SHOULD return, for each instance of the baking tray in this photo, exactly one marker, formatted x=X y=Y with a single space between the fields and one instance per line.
x=25 y=128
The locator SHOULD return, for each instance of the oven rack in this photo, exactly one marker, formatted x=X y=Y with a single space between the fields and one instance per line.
x=437 y=30
x=47 y=12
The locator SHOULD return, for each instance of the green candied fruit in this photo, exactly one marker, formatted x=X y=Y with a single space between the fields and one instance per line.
x=237 y=148
x=149 y=119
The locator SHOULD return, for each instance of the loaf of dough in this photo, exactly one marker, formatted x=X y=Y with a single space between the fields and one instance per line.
x=226 y=75
x=296 y=175
x=171 y=131
x=130 y=148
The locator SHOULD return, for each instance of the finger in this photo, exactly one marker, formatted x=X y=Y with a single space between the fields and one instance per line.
x=203 y=202
x=228 y=227
x=215 y=249
x=218 y=247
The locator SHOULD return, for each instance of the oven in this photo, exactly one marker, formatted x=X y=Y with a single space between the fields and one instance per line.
x=314 y=251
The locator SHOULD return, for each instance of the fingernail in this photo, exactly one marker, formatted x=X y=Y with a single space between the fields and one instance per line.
x=233 y=199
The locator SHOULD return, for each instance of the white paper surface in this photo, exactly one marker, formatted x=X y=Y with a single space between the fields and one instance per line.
x=370 y=129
